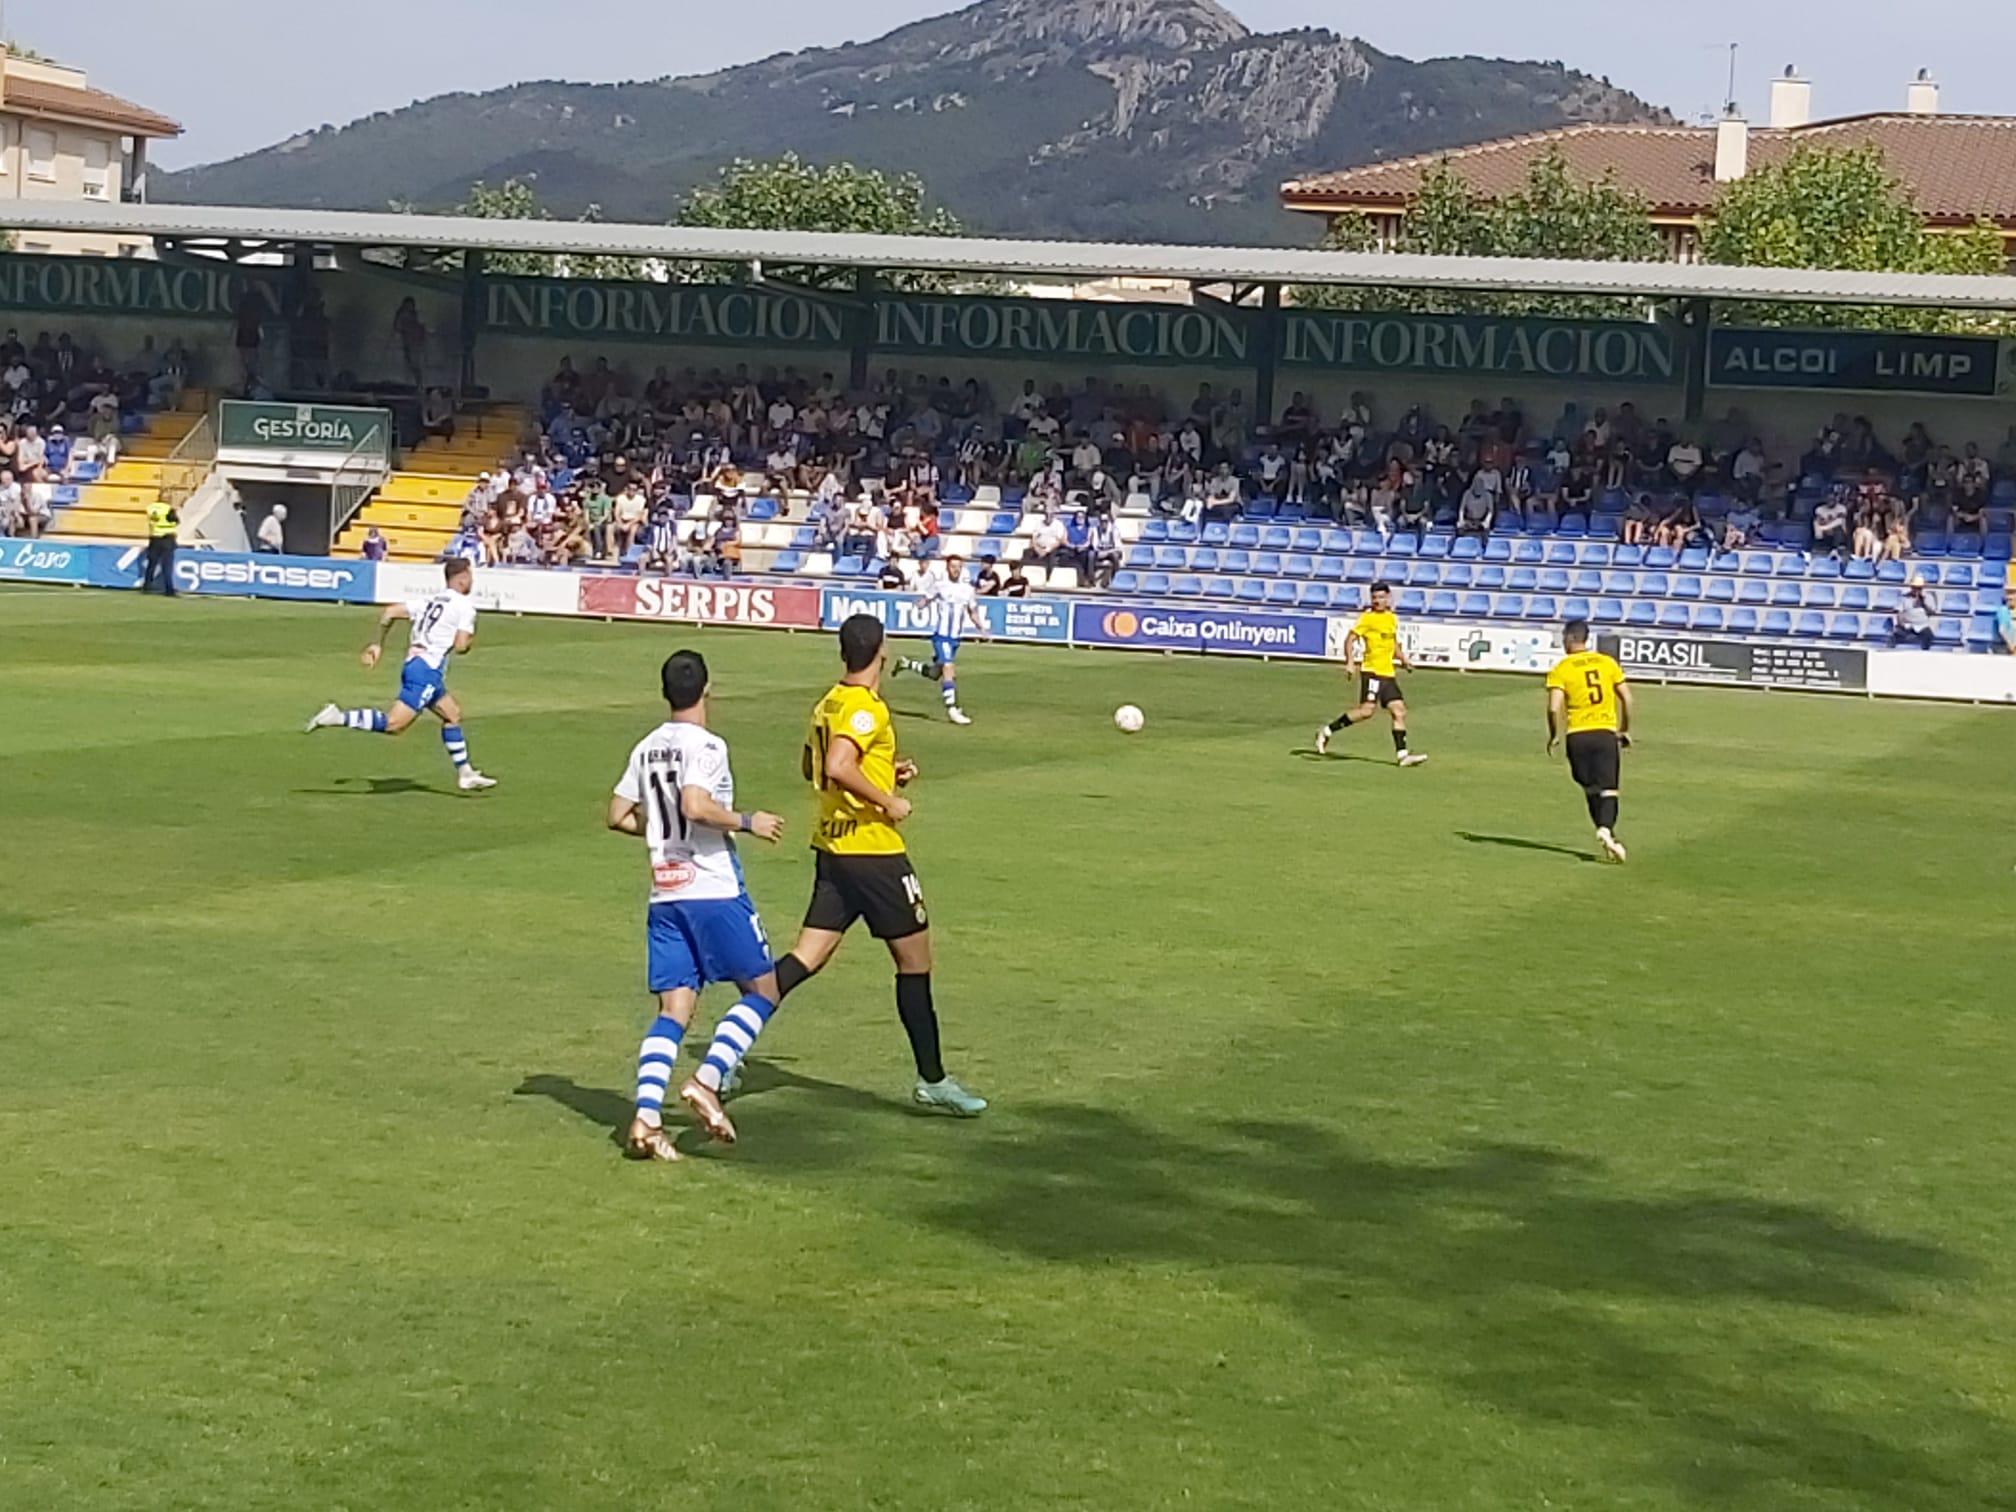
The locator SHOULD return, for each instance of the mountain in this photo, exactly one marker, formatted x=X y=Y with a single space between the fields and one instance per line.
x=1121 y=119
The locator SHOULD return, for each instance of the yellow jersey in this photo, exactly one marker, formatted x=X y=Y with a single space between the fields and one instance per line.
x=847 y=826
x=1590 y=681
x=1381 y=634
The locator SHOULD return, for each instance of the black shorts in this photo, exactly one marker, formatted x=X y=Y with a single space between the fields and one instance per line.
x=883 y=890
x=1378 y=690
x=1593 y=759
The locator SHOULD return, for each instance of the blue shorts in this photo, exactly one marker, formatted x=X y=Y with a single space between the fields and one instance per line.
x=705 y=941
x=945 y=649
x=421 y=686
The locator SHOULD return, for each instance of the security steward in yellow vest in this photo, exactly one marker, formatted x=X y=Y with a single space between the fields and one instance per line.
x=162 y=523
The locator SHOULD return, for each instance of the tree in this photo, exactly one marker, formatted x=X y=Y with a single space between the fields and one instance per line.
x=789 y=194
x=1553 y=214
x=1841 y=207
x=515 y=199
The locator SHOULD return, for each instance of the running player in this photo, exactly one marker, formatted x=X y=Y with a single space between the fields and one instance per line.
x=436 y=626
x=1376 y=639
x=1588 y=689
x=951 y=608
x=678 y=796
x=862 y=870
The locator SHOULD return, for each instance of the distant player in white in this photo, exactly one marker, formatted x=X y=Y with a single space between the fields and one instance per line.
x=437 y=626
x=678 y=796
x=950 y=609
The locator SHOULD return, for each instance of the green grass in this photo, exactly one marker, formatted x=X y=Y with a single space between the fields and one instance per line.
x=1357 y=1143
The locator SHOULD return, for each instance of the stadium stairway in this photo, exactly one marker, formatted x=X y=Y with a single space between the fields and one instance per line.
x=112 y=505
x=419 y=507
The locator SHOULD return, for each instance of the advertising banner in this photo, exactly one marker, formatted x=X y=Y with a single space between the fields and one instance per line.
x=690 y=601
x=1028 y=619
x=248 y=426
x=132 y=286
x=704 y=314
x=1480 y=647
x=1617 y=351
x=328 y=579
x=1223 y=631
x=1687 y=658
x=1872 y=361
x=48 y=562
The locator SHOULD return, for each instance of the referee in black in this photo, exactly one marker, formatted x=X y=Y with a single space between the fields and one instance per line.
x=162 y=524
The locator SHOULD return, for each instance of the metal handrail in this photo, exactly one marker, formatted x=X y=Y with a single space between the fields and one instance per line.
x=185 y=468
x=357 y=478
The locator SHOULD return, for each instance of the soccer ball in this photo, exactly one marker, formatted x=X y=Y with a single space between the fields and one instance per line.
x=1128 y=719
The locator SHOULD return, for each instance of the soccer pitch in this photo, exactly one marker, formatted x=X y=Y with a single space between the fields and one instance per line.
x=1357 y=1142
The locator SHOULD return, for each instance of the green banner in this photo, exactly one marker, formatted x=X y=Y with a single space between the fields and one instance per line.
x=129 y=286
x=1065 y=330
x=1872 y=361
x=246 y=425
x=704 y=314
x=1615 y=351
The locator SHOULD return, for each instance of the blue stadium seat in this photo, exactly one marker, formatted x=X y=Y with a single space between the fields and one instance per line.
x=1183 y=533
x=1014 y=496
x=1403 y=544
x=1785 y=595
x=1421 y=574
x=1509 y=606
x=1743 y=621
x=1171 y=558
x=1251 y=591
x=1266 y=564
x=1992 y=574
x=848 y=566
x=1294 y=511
x=1694 y=559
x=1361 y=570
x=1953 y=575
x=1216 y=533
x=1553 y=580
x=1661 y=556
x=1443 y=604
x=1235 y=561
x=1466 y=549
x=1811 y=623
x=1844 y=626
x=1756 y=563
x=1491 y=577
x=1541 y=607
x=1573 y=525
x=1687 y=586
x=1949 y=632
x=1777 y=622
x=1497 y=549
x=1458 y=574
x=1204 y=559
x=804 y=538
x=1347 y=596
x=1856 y=597
x=1523 y=580
x=1220 y=588
x=1859 y=572
x=1890 y=572
x=1826 y=567
x=1753 y=591
x=1607 y=611
x=1413 y=601
x=1312 y=596
x=1885 y=600
x=1607 y=527
x=1310 y=541
x=1281 y=595
x=788 y=561
x=1628 y=556
x=1125 y=581
x=1725 y=562
x=1329 y=569
x=1998 y=547
x=1475 y=605
x=1720 y=590
x=1642 y=614
x=764 y=509
x=1673 y=617
x=1707 y=617
x=1575 y=608
x=1003 y=522
x=1654 y=584
x=1298 y=566
x=1820 y=596
x=1369 y=542
x=1155 y=582
x=1246 y=536
x=1594 y=554
x=1187 y=586
x=1588 y=580
x=1436 y=546
x=1262 y=508
x=1529 y=553
x=1930 y=543
x=1140 y=557
x=1789 y=564
x=1276 y=538
x=1560 y=554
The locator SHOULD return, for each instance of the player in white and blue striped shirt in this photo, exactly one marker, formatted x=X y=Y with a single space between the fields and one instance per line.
x=950 y=609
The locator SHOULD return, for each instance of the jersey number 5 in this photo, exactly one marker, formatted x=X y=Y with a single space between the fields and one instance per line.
x=1595 y=680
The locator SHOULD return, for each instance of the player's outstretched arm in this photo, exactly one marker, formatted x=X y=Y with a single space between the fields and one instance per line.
x=843 y=770
x=699 y=807
x=389 y=616
x=625 y=817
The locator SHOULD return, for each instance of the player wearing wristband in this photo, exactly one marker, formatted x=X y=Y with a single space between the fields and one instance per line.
x=678 y=795
x=862 y=867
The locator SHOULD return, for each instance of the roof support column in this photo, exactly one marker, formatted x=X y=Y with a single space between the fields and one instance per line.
x=1266 y=354
x=1694 y=323
x=861 y=348
x=473 y=308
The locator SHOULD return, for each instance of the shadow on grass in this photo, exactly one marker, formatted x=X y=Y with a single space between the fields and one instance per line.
x=1513 y=842
x=1310 y=753
x=377 y=787
x=1528 y=1280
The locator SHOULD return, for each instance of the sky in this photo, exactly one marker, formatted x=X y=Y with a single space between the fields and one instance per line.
x=242 y=75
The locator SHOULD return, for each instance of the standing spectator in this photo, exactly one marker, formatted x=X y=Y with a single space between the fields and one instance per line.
x=374 y=545
x=411 y=335
x=1911 y=625
x=245 y=336
x=272 y=535
x=159 y=569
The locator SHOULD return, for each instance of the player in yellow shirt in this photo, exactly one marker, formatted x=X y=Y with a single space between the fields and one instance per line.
x=1586 y=691
x=1377 y=639
x=861 y=868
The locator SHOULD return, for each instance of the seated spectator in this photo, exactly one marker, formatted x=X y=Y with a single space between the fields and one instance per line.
x=724 y=549
x=988 y=583
x=1477 y=509
x=437 y=414
x=1871 y=521
x=1831 y=530
x=630 y=512
x=56 y=450
x=1078 y=543
x=1046 y=547
x=1271 y=472
x=30 y=456
x=1969 y=511
x=1222 y=495
x=374 y=547
x=272 y=535
x=1104 y=551
x=598 y=514
x=1911 y=625
x=14 y=517
x=1641 y=521
x=1739 y=526
x=1681 y=525
x=1746 y=470
x=566 y=541
x=895 y=576
x=1415 y=509
x=1896 y=543
x=866 y=520
x=1016 y=583
x=1683 y=466
x=661 y=542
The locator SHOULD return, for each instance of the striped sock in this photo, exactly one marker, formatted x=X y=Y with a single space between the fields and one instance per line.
x=365 y=719
x=733 y=1037
x=458 y=748
x=950 y=691
x=654 y=1067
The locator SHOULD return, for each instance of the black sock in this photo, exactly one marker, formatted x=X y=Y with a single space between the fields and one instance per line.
x=1595 y=809
x=1400 y=741
x=920 y=1022
x=791 y=974
x=1342 y=721
x=1606 y=812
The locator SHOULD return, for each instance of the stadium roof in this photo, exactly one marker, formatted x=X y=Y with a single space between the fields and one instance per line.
x=1040 y=259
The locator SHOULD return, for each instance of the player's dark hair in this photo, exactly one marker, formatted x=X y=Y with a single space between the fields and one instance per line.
x=860 y=641
x=1382 y=586
x=1575 y=633
x=684 y=679
x=454 y=567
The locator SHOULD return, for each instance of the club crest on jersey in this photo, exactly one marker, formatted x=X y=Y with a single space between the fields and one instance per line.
x=863 y=722
x=670 y=876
